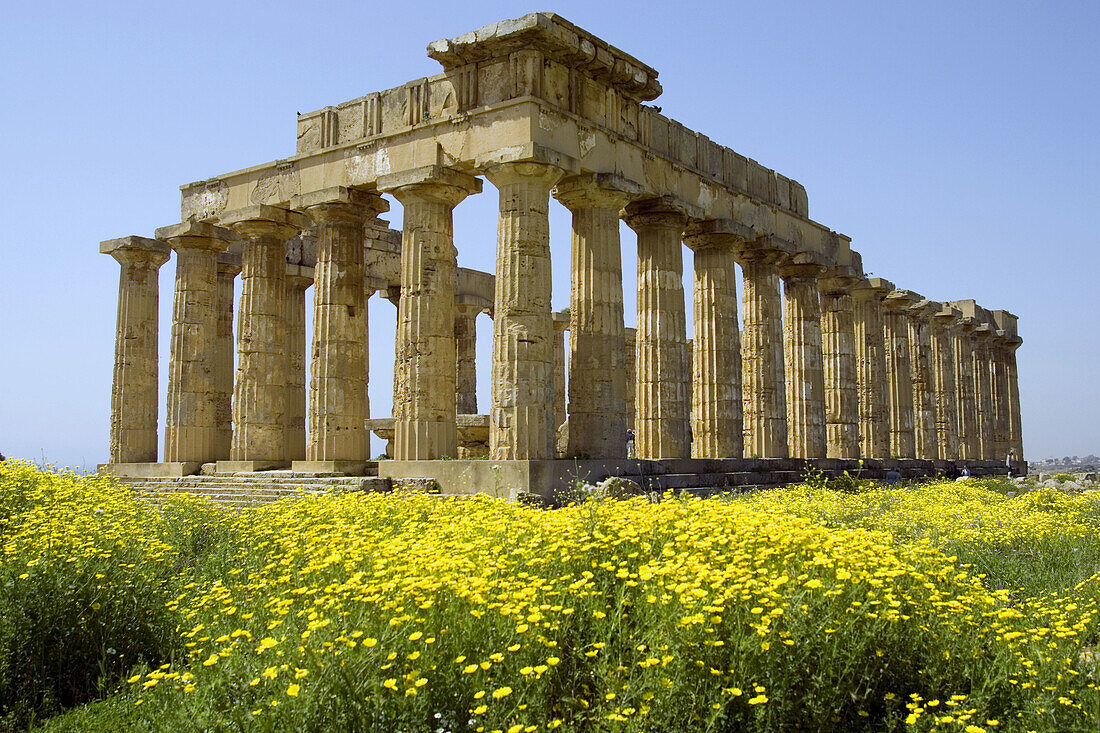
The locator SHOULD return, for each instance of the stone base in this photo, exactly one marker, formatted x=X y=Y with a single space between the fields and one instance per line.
x=330 y=468
x=555 y=480
x=250 y=466
x=150 y=470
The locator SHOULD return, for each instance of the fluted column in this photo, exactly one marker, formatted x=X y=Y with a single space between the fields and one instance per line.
x=839 y=366
x=1001 y=408
x=920 y=363
x=260 y=395
x=1015 y=427
x=190 y=432
x=298 y=279
x=661 y=397
x=717 y=427
x=425 y=401
x=466 y=354
x=983 y=391
x=898 y=372
x=630 y=343
x=229 y=266
x=943 y=361
x=561 y=367
x=868 y=329
x=134 y=389
x=338 y=361
x=803 y=359
x=597 y=384
x=521 y=421
x=965 y=395
x=763 y=388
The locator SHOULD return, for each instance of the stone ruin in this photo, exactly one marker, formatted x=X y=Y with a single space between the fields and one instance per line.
x=831 y=367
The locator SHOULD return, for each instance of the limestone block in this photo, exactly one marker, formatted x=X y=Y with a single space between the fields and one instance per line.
x=805 y=380
x=134 y=389
x=969 y=432
x=868 y=329
x=898 y=372
x=839 y=367
x=921 y=366
x=943 y=360
x=763 y=389
x=466 y=353
x=984 y=336
x=228 y=267
x=561 y=325
x=298 y=278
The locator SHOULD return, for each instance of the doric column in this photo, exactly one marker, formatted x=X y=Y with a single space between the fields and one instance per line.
x=134 y=390
x=898 y=372
x=561 y=325
x=466 y=354
x=229 y=266
x=630 y=343
x=763 y=389
x=521 y=422
x=298 y=279
x=338 y=362
x=597 y=385
x=983 y=391
x=920 y=364
x=1015 y=426
x=424 y=401
x=1001 y=409
x=839 y=365
x=803 y=358
x=716 y=419
x=965 y=396
x=190 y=431
x=661 y=397
x=943 y=368
x=260 y=404
x=868 y=329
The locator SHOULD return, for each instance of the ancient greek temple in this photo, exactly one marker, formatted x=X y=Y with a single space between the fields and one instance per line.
x=822 y=363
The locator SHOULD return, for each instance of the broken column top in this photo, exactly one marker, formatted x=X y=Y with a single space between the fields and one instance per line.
x=559 y=40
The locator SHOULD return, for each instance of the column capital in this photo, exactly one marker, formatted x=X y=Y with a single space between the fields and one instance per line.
x=195 y=234
x=923 y=310
x=561 y=321
x=965 y=325
x=340 y=204
x=262 y=220
x=299 y=277
x=872 y=288
x=717 y=233
x=802 y=266
x=525 y=171
x=229 y=263
x=138 y=251
x=660 y=213
x=767 y=249
x=946 y=319
x=899 y=301
x=596 y=191
x=433 y=182
x=836 y=285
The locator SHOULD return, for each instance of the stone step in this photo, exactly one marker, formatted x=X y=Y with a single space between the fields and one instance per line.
x=738 y=480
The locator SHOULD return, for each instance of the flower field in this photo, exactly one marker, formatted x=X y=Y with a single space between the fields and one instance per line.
x=938 y=606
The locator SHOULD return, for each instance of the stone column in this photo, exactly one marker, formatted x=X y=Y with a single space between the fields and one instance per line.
x=983 y=391
x=763 y=388
x=969 y=432
x=898 y=372
x=999 y=378
x=466 y=354
x=425 y=397
x=874 y=410
x=521 y=423
x=338 y=439
x=717 y=427
x=1015 y=427
x=630 y=342
x=134 y=390
x=298 y=278
x=597 y=384
x=943 y=360
x=661 y=398
x=839 y=366
x=920 y=364
x=190 y=434
x=561 y=325
x=260 y=400
x=229 y=266
x=803 y=357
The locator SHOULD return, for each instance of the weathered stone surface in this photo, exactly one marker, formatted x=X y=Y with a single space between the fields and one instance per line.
x=426 y=368
x=561 y=415
x=522 y=415
x=134 y=389
x=716 y=403
x=466 y=353
x=597 y=388
x=920 y=364
x=661 y=397
x=839 y=365
x=984 y=336
x=298 y=279
x=943 y=360
x=874 y=411
x=228 y=267
x=969 y=433
x=763 y=387
x=802 y=348
x=898 y=373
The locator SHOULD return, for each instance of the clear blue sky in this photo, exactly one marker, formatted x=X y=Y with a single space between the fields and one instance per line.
x=956 y=143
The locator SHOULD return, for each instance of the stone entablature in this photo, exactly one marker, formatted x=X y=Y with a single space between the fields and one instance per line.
x=829 y=363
